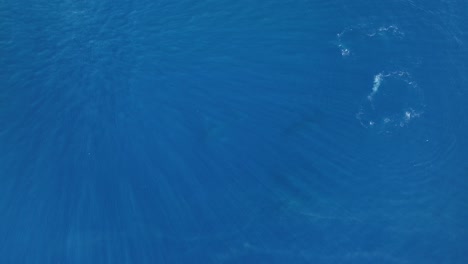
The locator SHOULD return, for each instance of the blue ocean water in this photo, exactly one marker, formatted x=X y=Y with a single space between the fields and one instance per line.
x=234 y=131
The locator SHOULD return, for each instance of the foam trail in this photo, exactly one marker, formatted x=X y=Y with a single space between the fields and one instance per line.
x=375 y=88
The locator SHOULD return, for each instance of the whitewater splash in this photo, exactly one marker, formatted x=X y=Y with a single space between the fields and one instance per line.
x=394 y=101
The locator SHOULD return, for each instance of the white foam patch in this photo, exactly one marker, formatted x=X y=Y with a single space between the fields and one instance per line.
x=375 y=87
x=351 y=36
x=394 y=101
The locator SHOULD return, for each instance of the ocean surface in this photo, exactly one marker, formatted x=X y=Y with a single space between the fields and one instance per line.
x=183 y=131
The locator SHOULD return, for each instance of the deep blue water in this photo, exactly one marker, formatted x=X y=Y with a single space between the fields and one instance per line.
x=242 y=131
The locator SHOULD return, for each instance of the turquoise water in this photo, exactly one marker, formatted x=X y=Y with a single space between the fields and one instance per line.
x=234 y=131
